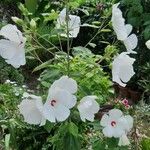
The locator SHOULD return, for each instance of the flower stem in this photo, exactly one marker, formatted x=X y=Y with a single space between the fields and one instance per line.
x=68 y=42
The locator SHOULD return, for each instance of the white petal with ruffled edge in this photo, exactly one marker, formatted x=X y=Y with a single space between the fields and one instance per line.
x=74 y=26
x=115 y=113
x=12 y=33
x=12 y=53
x=126 y=122
x=31 y=109
x=65 y=83
x=123 y=140
x=104 y=120
x=118 y=23
x=48 y=112
x=131 y=43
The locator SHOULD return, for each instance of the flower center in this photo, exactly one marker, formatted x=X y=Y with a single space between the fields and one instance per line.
x=113 y=123
x=53 y=102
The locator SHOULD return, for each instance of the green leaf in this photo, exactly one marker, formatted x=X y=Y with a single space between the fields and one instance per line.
x=31 y=5
x=71 y=142
x=147 y=33
x=112 y=142
x=93 y=45
x=45 y=84
x=105 y=30
x=84 y=11
x=79 y=50
x=48 y=126
x=145 y=144
x=7 y=141
x=73 y=129
x=42 y=66
x=89 y=25
x=98 y=145
x=50 y=16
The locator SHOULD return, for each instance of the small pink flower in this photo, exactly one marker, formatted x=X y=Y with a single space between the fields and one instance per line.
x=125 y=102
x=127 y=106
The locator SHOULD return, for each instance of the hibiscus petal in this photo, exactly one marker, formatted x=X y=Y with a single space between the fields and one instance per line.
x=30 y=112
x=62 y=96
x=43 y=121
x=13 y=53
x=7 y=49
x=66 y=83
x=126 y=122
x=123 y=140
x=126 y=72
x=86 y=116
x=82 y=116
x=122 y=68
x=105 y=120
x=128 y=28
x=88 y=107
x=108 y=131
x=131 y=43
x=61 y=112
x=148 y=44
x=89 y=116
x=115 y=113
x=118 y=131
x=12 y=33
x=48 y=112
x=74 y=25
x=118 y=23
x=129 y=120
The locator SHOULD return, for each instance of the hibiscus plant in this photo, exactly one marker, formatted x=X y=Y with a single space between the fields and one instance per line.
x=75 y=88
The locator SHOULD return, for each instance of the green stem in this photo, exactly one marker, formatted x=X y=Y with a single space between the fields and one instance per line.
x=68 y=42
x=100 y=28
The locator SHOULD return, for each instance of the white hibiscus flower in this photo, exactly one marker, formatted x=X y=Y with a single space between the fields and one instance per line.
x=73 y=23
x=60 y=99
x=12 y=47
x=123 y=30
x=122 y=69
x=31 y=108
x=115 y=124
x=148 y=44
x=88 y=107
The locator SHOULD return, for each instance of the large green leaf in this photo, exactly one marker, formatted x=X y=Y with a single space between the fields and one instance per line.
x=31 y=5
x=71 y=142
x=98 y=145
x=145 y=144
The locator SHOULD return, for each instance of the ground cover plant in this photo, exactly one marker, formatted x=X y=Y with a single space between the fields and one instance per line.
x=74 y=75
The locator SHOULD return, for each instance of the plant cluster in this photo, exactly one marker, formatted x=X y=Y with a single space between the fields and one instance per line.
x=73 y=107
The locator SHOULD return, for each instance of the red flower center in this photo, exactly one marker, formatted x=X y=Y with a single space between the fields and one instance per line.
x=113 y=123
x=53 y=102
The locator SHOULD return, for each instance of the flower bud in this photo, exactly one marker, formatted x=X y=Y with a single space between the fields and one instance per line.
x=17 y=20
x=32 y=24
x=148 y=44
